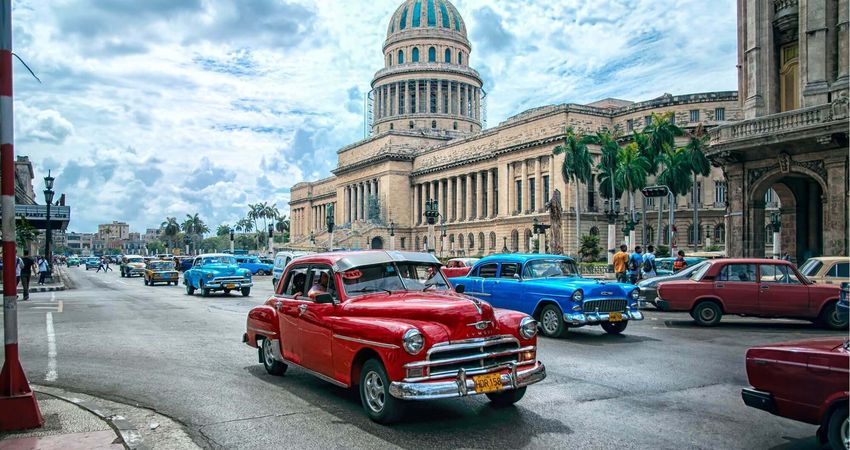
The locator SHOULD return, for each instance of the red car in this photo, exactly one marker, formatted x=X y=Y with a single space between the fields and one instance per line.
x=751 y=287
x=805 y=381
x=458 y=267
x=390 y=324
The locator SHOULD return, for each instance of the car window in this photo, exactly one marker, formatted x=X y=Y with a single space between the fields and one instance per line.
x=370 y=279
x=419 y=276
x=773 y=273
x=811 y=268
x=549 y=268
x=488 y=270
x=839 y=270
x=509 y=270
x=296 y=282
x=738 y=272
x=321 y=282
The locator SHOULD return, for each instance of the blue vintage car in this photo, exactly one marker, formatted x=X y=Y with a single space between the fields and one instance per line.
x=550 y=289
x=92 y=263
x=217 y=272
x=254 y=264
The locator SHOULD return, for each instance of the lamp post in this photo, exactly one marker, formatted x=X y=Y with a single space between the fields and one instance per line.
x=329 y=222
x=659 y=192
x=540 y=230
x=312 y=238
x=442 y=237
x=775 y=225
x=392 y=235
x=612 y=207
x=432 y=212
x=271 y=240
x=232 y=236
x=48 y=237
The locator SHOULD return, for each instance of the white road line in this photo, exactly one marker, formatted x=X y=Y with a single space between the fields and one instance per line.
x=51 y=374
x=53 y=296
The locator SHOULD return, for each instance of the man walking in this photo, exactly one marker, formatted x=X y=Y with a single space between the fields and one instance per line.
x=107 y=268
x=620 y=260
x=101 y=266
x=42 y=270
x=649 y=263
x=635 y=264
x=26 y=273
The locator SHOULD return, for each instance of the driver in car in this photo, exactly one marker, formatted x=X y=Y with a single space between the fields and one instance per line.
x=319 y=287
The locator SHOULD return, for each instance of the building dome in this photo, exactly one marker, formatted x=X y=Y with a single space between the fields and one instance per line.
x=415 y=15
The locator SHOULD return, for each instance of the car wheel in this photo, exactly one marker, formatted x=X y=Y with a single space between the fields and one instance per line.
x=205 y=292
x=246 y=291
x=829 y=317
x=552 y=322
x=707 y=314
x=838 y=429
x=190 y=290
x=506 y=398
x=375 y=396
x=261 y=272
x=614 y=327
x=273 y=366
x=146 y=282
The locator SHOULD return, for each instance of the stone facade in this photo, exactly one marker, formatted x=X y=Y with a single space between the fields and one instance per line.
x=794 y=84
x=490 y=184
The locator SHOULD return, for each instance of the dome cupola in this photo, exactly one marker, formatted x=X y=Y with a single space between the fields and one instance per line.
x=415 y=15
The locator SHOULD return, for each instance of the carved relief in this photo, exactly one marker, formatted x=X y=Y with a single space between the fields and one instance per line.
x=839 y=107
x=753 y=175
x=784 y=160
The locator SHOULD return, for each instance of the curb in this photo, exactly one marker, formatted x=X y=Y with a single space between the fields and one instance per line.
x=129 y=434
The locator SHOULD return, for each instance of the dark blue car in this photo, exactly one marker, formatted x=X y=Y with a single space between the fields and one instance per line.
x=550 y=289
x=254 y=264
x=843 y=302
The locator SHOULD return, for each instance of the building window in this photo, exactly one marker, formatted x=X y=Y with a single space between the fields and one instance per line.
x=454 y=125
x=546 y=186
x=591 y=194
x=470 y=241
x=403 y=23
x=460 y=57
x=719 y=114
x=432 y=54
x=391 y=127
x=432 y=16
x=720 y=233
x=691 y=234
x=518 y=190
x=445 y=15
x=673 y=119
x=417 y=244
x=448 y=56
x=789 y=77
x=647 y=121
x=389 y=60
x=481 y=241
x=403 y=246
x=694 y=115
x=417 y=13
x=401 y=57
x=650 y=202
x=410 y=124
x=414 y=57
x=696 y=195
x=492 y=240
x=720 y=193
x=630 y=125
x=495 y=193
x=433 y=124
x=532 y=194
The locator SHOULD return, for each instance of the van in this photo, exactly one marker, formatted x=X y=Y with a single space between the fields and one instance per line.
x=281 y=260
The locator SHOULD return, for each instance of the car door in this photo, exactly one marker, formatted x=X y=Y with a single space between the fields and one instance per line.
x=287 y=304
x=315 y=331
x=737 y=287
x=781 y=293
x=473 y=283
x=505 y=290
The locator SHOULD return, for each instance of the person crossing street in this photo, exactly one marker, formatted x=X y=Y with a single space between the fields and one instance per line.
x=634 y=265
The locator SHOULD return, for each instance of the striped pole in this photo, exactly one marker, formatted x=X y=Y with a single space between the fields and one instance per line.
x=18 y=406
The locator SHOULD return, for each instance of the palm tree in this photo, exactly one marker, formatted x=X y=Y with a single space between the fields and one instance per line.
x=577 y=167
x=697 y=142
x=641 y=140
x=631 y=173
x=222 y=230
x=607 y=166
x=169 y=229
x=676 y=174
x=662 y=132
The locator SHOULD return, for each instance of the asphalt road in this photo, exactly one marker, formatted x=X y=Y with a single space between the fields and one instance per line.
x=665 y=384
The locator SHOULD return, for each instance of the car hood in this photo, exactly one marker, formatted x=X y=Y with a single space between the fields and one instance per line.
x=592 y=288
x=456 y=313
x=223 y=269
x=820 y=345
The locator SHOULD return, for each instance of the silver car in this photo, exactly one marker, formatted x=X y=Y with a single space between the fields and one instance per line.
x=649 y=287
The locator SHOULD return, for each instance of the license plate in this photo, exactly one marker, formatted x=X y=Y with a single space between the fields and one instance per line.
x=487 y=383
x=230 y=286
x=615 y=317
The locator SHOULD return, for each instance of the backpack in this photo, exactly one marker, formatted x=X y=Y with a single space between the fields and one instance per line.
x=633 y=265
x=648 y=265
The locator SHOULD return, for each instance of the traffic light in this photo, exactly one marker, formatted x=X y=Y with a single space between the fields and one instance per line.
x=655 y=191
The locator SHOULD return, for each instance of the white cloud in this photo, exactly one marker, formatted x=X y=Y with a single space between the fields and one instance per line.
x=45 y=125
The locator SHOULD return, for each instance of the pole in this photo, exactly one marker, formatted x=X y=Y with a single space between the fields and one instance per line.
x=47 y=238
x=392 y=242
x=776 y=245
x=331 y=242
x=431 y=245
x=670 y=225
x=695 y=199
x=18 y=405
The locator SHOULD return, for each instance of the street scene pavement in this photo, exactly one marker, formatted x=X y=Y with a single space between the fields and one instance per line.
x=664 y=383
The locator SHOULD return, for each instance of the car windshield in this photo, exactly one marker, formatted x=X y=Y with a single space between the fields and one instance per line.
x=218 y=260
x=393 y=277
x=665 y=264
x=136 y=260
x=162 y=265
x=550 y=268
x=811 y=267
x=703 y=268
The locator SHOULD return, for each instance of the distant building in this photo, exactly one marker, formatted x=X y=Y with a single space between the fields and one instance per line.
x=115 y=231
x=80 y=243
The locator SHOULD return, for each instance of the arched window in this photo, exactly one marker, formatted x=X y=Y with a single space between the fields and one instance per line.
x=789 y=77
x=720 y=233
x=470 y=239
x=594 y=231
x=448 y=56
x=514 y=241
x=432 y=54
x=401 y=57
x=527 y=240
x=415 y=56
x=460 y=241
x=403 y=243
x=417 y=244
x=460 y=57
x=454 y=125
x=391 y=127
x=403 y=22
x=433 y=124
x=481 y=241
x=650 y=235
x=492 y=240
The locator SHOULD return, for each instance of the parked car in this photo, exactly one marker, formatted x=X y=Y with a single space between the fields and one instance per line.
x=550 y=289
x=458 y=267
x=649 y=286
x=132 y=265
x=159 y=271
x=804 y=381
x=664 y=266
x=390 y=324
x=751 y=287
x=253 y=264
x=281 y=260
x=92 y=263
x=844 y=302
x=163 y=256
x=267 y=260
x=184 y=263
x=214 y=272
x=827 y=269
x=73 y=261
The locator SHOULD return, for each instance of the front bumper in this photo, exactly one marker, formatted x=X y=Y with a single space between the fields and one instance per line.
x=216 y=284
x=755 y=398
x=136 y=271
x=663 y=305
x=595 y=317
x=464 y=386
x=165 y=276
x=648 y=296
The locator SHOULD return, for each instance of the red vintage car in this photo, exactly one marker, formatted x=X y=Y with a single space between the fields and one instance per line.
x=458 y=267
x=390 y=324
x=751 y=287
x=805 y=381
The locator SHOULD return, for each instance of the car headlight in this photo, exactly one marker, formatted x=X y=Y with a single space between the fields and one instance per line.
x=578 y=296
x=527 y=328
x=209 y=275
x=413 y=341
x=635 y=294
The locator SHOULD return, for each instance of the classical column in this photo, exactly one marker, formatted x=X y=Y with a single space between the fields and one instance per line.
x=361 y=206
x=453 y=198
x=813 y=21
x=843 y=40
x=539 y=188
x=439 y=96
x=523 y=186
x=468 y=214
x=494 y=197
x=508 y=192
x=481 y=209
x=477 y=112
x=352 y=212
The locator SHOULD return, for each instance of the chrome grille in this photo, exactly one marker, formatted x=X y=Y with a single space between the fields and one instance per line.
x=472 y=354
x=606 y=305
x=229 y=279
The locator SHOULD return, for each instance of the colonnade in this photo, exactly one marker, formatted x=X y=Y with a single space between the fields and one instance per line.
x=427 y=97
x=356 y=199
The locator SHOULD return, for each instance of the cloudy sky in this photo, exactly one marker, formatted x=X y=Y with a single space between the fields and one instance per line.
x=159 y=108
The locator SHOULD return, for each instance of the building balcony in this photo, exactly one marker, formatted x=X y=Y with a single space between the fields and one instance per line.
x=36 y=216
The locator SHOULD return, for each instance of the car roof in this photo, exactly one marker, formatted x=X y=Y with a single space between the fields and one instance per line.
x=519 y=257
x=831 y=258
x=750 y=261
x=133 y=256
x=343 y=261
x=208 y=255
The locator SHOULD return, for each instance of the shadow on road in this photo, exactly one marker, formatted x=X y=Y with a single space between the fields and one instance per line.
x=595 y=336
x=756 y=326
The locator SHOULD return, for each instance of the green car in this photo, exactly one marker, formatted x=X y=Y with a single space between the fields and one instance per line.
x=664 y=266
x=73 y=261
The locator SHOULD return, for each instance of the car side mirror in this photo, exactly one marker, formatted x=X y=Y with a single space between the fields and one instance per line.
x=324 y=298
x=460 y=289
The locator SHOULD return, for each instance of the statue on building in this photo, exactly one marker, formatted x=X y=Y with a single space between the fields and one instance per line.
x=555 y=211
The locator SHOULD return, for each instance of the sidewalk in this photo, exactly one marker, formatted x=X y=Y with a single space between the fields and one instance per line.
x=76 y=421
x=58 y=284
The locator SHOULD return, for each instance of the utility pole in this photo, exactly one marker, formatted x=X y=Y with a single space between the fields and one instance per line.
x=18 y=405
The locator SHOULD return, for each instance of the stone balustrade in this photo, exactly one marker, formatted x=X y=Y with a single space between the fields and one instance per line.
x=764 y=126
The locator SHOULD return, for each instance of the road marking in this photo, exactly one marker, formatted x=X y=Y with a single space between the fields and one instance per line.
x=61 y=306
x=52 y=296
x=51 y=351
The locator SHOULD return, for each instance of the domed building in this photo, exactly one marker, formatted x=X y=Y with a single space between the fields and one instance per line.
x=428 y=142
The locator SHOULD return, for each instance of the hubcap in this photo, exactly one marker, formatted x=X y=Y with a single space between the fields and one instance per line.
x=267 y=352
x=707 y=314
x=373 y=388
x=845 y=432
x=550 y=321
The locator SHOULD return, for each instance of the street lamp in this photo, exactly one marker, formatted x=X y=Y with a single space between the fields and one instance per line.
x=232 y=237
x=775 y=226
x=612 y=208
x=312 y=238
x=540 y=230
x=432 y=212
x=442 y=236
x=329 y=222
x=48 y=200
x=505 y=244
x=271 y=240
x=391 y=228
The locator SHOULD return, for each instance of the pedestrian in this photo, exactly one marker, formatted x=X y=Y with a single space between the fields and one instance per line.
x=679 y=263
x=18 y=265
x=27 y=268
x=649 y=263
x=43 y=267
x=107 y=268
x=635 y=264
x=786 y=257
x=102 y=265
x=620 y=260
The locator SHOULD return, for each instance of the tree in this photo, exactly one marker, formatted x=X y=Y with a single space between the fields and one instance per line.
x=25 y=233
x=676 y=174
x=223 y=230
x=169 y=230
x=155 y=247
x=697 y=142
x=631 y=174
x=576 y=167
x=195 y=228
x=608 y=165
x=662 y=132
x=589 y=250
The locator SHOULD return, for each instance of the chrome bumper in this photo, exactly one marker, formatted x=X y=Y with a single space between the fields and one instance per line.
x=221 y=284
x=464 y=386
x=594 y=317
